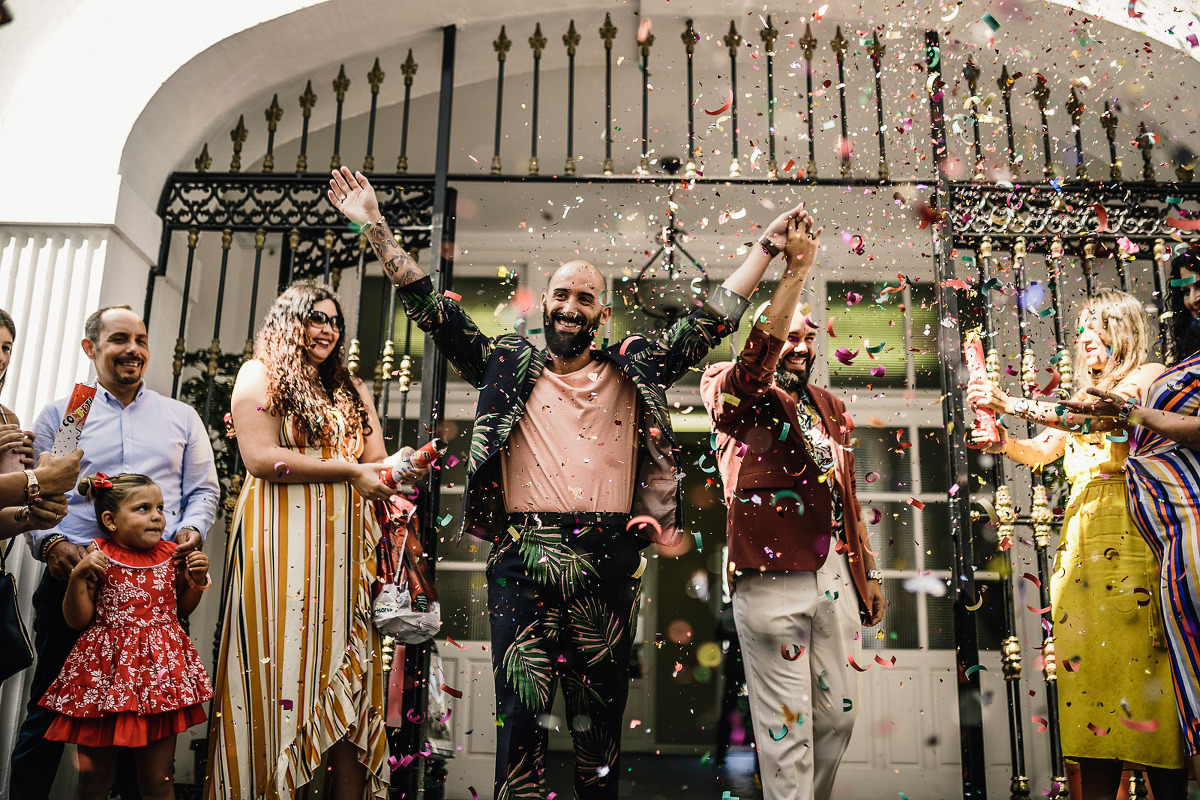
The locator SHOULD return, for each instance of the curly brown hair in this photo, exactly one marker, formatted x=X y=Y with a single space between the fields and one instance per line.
x=294 y=385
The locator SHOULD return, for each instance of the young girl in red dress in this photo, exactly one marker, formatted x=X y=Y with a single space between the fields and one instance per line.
x=133 y=678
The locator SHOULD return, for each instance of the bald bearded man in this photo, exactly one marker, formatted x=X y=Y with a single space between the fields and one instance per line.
x=573 y=470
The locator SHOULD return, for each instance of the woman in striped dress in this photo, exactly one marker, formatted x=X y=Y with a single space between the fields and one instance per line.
x=298 y=678
x=1163 y=479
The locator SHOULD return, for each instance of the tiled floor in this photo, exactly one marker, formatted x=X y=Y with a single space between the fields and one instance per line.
x=661 y=777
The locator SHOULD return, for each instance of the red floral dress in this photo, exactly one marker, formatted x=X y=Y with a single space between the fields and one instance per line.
x=133 y=676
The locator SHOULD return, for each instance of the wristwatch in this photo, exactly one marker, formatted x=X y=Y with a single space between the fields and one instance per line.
x=33 y=489
x=875 y=575
x=769 y=247
x=1127 y=409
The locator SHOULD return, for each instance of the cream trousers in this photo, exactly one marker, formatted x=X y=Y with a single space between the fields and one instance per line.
x=816 y=695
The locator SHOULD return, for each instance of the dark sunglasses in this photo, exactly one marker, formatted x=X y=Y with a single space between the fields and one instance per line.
x=319 y=318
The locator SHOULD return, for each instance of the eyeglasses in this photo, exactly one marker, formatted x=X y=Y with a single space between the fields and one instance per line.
x=318 y=318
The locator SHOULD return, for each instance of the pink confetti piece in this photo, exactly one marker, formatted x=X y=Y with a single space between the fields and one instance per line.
x=1041 y=723
x=792 y=652
x=455 y=693
x=452 y=295
x=845 y=355
x=1029 y=576
x=878 y=371
x=1102 y=216
x=885 y=663
x=853 y=298
x=286 y=705
x=281 y=468
x=915 y=503
x=853 y=663
x=1093 y=727
x=724 y=106
x=641 y=521
x=1141 y=726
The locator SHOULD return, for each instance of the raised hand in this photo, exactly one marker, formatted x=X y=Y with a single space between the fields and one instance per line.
x=777 y=231
x=352 y=194
x=802 y=242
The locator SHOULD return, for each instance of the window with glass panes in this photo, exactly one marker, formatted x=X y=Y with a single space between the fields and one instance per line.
x=900 y=459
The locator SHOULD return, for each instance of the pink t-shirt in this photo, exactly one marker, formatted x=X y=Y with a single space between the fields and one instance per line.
x=575 y=447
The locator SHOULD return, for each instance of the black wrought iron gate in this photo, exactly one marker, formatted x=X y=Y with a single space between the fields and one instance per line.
x=969 y=222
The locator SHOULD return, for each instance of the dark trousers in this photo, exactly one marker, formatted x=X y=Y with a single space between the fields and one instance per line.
x=563 y=607
x=34 y=759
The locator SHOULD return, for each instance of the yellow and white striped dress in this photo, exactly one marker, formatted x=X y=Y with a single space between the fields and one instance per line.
x=299 y=664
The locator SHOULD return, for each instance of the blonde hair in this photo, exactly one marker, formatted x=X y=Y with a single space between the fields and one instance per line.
x=1122 y=322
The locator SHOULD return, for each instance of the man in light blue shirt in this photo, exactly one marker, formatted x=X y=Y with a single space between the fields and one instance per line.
x=130 y=429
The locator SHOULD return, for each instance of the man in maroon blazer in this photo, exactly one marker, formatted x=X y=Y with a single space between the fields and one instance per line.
x=803 y=576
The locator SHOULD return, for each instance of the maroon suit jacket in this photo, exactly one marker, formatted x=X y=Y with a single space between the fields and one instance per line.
x=764 y=463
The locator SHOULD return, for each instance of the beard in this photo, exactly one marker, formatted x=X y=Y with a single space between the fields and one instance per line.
x=791 y=381
x=568 y=345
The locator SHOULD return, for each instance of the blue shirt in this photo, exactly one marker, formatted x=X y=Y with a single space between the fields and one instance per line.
x=155 y=436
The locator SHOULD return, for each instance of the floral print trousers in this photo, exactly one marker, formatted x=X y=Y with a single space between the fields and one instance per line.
x=563 y=605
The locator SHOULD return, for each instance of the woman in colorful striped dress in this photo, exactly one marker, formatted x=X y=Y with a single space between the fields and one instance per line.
x=1163 y=479
x=298 y=678
x=1103 y=590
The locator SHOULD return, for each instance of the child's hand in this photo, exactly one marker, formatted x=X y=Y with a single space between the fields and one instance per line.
x=91 y=567
x=197 y=565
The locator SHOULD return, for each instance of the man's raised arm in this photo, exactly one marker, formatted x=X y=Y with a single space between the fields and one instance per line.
x=353 y=195
x=448 y=326
x=745 y=279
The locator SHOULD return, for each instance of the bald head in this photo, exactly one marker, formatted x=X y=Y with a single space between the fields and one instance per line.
x=577 y=271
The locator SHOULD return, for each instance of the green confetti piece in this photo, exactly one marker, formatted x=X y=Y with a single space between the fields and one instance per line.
x=699 y=542
x=831 y=596
x=972 y=670
x=782 y=733
x=787 y=428
x=991 y=22
x=876 y=349
x=1188 y=281
x=847 y=704
x=821 y=681
x=1124 y=437
x=992 y=284
x=1174 y=201
x=1045 y=312
x=443 y=521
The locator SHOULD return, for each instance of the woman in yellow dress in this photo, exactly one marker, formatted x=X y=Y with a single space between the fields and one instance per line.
x=1114 y=675
x=298 y=678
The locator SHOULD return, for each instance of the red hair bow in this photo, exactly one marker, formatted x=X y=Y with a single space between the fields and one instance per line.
x=101 y=481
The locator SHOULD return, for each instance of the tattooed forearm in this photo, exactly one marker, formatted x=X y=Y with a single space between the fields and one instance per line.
x=399 y=267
